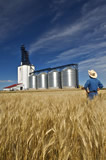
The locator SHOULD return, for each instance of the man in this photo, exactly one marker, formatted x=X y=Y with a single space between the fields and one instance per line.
x=92 y=85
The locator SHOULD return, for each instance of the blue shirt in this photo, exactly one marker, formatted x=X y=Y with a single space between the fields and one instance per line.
x=93 y=84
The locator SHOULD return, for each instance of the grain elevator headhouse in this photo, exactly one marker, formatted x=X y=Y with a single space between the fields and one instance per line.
x=25 y=68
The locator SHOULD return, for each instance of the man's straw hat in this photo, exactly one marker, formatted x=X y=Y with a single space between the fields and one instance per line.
x=92 y=73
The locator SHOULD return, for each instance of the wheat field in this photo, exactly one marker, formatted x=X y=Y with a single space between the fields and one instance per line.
x=52 y=125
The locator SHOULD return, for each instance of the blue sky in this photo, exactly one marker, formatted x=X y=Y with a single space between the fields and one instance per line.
x=55 y=32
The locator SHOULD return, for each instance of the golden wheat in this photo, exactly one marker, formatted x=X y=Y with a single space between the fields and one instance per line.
x=52 y=125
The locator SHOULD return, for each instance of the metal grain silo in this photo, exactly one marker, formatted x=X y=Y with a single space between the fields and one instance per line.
x=42 y=81
x=69 y=78
x=54 y=79
x=32 y=81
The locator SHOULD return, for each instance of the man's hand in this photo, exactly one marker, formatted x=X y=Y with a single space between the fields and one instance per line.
x=87 y=91
x=98 y=89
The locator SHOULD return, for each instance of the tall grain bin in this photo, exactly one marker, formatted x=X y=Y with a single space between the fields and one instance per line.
x=69 y=78
x=32 y=81
x=42 y=81
x=54 y=79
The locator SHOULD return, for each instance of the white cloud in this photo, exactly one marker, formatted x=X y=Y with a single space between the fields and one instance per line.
x=96 y=62
x=55 y=36
x=89 y=27
x=56 y=17
x=5 y=81
x=88 y=50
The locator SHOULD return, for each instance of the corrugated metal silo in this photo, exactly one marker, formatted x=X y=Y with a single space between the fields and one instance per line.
x=32 y=81
x=42 y=81
x=69 y=78
x=54 y=79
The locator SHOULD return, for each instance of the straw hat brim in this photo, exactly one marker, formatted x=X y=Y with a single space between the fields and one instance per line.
x=92 y=73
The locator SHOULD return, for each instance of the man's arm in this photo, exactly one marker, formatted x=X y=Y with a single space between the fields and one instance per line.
x=100 y=85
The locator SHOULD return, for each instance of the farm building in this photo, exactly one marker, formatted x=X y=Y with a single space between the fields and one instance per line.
x=14 y=87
